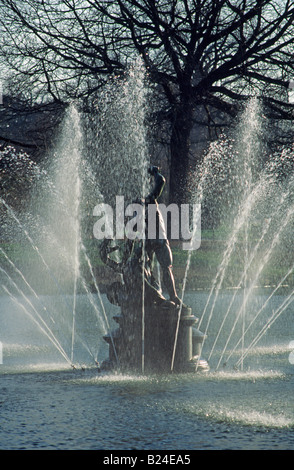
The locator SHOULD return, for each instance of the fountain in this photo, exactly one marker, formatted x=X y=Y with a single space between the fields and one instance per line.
x=165 y=339
x=49 y=258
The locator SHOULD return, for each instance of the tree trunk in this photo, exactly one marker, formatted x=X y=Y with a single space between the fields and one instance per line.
x=179 y=154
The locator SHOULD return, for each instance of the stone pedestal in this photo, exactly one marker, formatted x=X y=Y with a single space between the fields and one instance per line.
x=154 y=351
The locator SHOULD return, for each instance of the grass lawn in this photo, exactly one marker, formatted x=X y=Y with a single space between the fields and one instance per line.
x=204 y=263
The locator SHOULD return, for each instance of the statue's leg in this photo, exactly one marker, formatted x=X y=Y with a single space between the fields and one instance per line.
x=164 y=256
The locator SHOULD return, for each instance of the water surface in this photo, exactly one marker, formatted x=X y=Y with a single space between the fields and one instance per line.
x=46 y=404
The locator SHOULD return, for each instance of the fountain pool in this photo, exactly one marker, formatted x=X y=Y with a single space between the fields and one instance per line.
x=45 y=404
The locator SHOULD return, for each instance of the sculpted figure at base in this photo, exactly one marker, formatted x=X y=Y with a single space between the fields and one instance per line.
x=134 y=267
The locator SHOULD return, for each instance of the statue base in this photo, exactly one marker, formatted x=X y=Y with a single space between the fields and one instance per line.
x=150 y=348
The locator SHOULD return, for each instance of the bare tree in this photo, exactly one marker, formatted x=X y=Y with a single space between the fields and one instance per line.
x=202 y=54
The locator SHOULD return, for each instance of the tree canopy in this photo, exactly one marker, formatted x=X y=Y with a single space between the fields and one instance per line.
x=199 y=53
